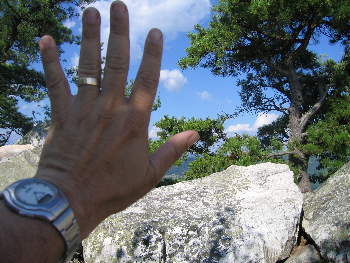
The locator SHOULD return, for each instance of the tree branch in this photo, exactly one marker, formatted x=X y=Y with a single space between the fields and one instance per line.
x=315 y=108
x=305 y=41
x=272 y=155
x=275 y=67
x=296 y=89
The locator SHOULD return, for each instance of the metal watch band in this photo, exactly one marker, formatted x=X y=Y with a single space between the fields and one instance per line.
x=64 y=222
x=67 y=225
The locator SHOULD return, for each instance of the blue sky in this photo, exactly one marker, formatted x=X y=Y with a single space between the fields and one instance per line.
x=189 y=93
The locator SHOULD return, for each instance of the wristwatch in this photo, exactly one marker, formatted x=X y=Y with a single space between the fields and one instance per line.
x=38 y=198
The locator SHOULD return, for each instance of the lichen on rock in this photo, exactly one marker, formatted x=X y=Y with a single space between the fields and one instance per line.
x=242 y=214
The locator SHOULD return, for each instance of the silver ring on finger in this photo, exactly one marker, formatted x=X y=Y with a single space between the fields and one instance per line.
x=83 y=81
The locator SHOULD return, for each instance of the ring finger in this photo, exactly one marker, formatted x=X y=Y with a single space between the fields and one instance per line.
x=90 y=59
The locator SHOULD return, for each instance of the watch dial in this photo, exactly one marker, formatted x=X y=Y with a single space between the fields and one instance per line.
x=35 y=193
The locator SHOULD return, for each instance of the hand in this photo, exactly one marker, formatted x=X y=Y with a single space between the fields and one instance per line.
x=97 y=149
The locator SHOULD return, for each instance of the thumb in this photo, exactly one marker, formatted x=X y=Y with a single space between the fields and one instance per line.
x=170 y=152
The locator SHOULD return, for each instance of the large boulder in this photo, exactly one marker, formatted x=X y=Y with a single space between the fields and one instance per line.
x=10 y=150
x=327 y=217
x=20 y=162
x=243 y=214
x=304 y=254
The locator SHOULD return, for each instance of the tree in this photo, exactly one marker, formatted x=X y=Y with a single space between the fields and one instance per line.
x=268 y=41
x=211 y=132
x=238 y=150
x=329 y=136
x=214 y=151
x=329 y=139
x=23 y=22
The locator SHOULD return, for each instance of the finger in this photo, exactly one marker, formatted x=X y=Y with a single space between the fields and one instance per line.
x=90 y=56
x=147 y=79
x=56 y=82
x=169 y=153
x=118 y=53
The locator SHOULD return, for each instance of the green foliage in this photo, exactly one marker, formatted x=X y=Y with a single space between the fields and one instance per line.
x=211 y=131
x=214 y=151
x=265 y=39
x=242 y=34
x=23 y=22
x=266 y=43
x=329 y=138
x=239 y=150
x=206 y=165
x=11 y=118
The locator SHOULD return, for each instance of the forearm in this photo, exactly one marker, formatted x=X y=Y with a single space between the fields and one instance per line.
x=23 y=239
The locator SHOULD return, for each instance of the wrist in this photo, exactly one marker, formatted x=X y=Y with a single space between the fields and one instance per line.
x=75 y=198
x=43 y=200
x=23 y=239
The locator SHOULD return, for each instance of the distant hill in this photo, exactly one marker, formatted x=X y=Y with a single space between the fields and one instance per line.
x=176 y=172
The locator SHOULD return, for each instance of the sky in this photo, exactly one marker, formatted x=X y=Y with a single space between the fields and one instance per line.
x=189 y=93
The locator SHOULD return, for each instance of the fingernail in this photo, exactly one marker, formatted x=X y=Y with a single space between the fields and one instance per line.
x=91 y=16
x=193 y=139
x=156 y=35
x=119 y=7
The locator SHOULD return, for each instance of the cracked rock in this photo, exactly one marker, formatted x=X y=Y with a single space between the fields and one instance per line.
x=327 y=217
x=243 y=214
x=304 y=254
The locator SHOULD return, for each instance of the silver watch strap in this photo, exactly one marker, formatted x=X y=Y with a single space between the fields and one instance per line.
x=67 y=225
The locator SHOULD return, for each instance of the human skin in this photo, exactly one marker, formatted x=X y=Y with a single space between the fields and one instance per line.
x=97 y=148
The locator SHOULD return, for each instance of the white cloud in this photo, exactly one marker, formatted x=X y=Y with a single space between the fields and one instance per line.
x=262 y=120
x=152 y=134
x=239 y=128
x=170 y=16
x=69 y=23
x=173 y=80
x=75 y=60
x=204 y=95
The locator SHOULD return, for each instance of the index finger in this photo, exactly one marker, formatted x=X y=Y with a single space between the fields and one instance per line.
x=56 y=82
x=147 y=79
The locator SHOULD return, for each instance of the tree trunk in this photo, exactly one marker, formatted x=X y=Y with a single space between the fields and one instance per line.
x=297 y=125
x=305 y=184
x=299 y=159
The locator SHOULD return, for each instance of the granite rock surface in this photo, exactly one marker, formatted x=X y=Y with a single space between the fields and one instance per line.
x=19 y=165
x=327 y=217
x=242 y=214
x=304 y=254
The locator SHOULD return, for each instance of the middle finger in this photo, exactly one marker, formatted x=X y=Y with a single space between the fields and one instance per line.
x=118 y=54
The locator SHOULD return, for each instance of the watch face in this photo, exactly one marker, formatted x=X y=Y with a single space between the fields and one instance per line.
x=35 y=193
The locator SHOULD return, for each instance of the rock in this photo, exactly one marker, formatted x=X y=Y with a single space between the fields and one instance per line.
x=19 y=166
x=327 y=217
x=304 y=254
x=10 y=150
x=36 y=136
x=243 y=214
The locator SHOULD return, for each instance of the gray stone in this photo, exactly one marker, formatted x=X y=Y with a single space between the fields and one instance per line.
x=243 y=214
x=36 y=136
x=304 y=254
x=327 y=217
x=11 y=150
x=19 y=166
